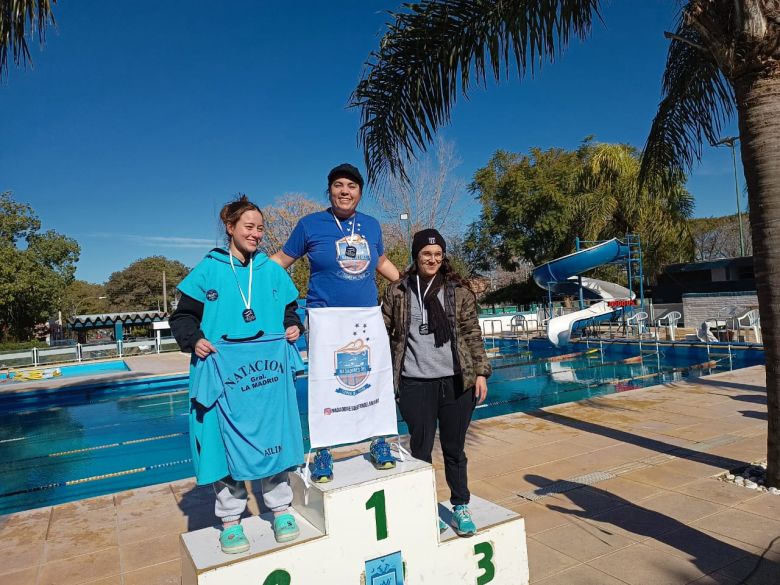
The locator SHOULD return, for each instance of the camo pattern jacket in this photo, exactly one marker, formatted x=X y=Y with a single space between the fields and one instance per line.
x=460 y=305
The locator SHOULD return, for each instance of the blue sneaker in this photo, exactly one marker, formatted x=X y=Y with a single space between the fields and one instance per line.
x=381 y=456
x=232 y=540
x=285 y=528
x=322 y=467
x=462 y=522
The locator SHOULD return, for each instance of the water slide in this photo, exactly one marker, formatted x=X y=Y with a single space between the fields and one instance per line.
x=561 y=276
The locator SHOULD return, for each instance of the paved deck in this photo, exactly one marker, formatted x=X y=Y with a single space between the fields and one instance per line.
x=644 y=511
x=141 y=366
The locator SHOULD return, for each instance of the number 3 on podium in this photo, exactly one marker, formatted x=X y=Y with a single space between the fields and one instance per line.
x=486 y=562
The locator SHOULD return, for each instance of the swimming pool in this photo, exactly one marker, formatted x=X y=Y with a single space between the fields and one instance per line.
x=69 y=371
x=73 y=443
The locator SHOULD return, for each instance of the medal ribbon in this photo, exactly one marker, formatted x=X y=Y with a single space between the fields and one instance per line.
x=338 y=223
x=420 y=298
x=248 y=299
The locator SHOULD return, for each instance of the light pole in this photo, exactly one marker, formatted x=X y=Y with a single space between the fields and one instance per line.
x=84 y=300
x=730 y=141
x=405 y=217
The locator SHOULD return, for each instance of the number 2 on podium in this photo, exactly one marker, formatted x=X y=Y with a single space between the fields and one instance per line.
x=377 y=502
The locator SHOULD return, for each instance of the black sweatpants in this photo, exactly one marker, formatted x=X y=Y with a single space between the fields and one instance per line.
x=424 y=401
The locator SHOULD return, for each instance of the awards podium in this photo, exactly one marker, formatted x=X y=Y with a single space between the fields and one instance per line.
x=367 y=527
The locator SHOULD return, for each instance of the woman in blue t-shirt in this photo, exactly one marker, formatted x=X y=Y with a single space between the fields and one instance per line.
x=344 y=248
x=235 y=292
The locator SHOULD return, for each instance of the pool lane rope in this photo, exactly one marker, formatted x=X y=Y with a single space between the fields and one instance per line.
x=98 y=448
x=60 y=484
x=119 y=444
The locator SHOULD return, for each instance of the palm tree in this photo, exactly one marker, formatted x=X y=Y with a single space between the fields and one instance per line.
x=611 y=202
x=723 y=53
x=15 y=17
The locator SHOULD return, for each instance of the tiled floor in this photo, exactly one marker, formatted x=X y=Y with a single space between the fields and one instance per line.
x=660 y=518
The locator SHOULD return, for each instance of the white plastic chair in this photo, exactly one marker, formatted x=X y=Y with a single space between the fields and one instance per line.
x=518 y=322
x=637 y=321
x=542 y=318
x=671 y=319
x=751 y=320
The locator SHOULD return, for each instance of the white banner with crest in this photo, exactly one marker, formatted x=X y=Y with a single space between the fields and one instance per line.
x=350 y=376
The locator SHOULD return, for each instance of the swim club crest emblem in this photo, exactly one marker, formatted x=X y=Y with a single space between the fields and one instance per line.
x=353 y=365
x=350 y=376
x=353 y=254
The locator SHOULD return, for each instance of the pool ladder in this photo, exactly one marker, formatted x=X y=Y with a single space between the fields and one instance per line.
x=729 y=355
x=650 y=352
x=601 y=348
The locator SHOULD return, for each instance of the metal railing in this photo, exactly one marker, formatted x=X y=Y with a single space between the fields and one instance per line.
x=86 y=351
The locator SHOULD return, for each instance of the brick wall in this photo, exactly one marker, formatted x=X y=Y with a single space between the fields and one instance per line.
x=699 y=307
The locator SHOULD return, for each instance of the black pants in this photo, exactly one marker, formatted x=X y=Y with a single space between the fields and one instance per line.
x=424 y=401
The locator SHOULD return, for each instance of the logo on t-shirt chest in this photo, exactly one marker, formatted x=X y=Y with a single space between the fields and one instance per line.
x=353 y=254
x=212 y=295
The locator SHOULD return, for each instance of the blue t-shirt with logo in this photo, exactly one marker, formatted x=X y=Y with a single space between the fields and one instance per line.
x=342 y=263
x=252 y=385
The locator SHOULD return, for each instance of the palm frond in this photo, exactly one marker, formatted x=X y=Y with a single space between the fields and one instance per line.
x=431 y=50
x=15 y=17
x=697 y=101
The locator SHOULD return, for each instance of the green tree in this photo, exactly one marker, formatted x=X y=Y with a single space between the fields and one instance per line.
x=535 y=205
x=35 y=269
x=723 y=53
x=83 y=298
x=139 y=287
x=527 y=204
x=612 y=202
x=15 y=17
x=458 y=256
x=396 y=250
x=300 y=273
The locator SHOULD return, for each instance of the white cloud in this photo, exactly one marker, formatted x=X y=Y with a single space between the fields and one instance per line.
x=159 y=241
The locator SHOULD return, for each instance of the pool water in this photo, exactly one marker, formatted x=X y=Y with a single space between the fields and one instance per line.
x=527 y=378
x=73 y=443
x=71 y=371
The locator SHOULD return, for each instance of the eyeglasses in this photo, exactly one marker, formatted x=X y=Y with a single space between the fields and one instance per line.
x=435 y=256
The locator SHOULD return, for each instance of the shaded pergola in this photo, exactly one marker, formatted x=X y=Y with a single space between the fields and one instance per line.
x=81 y=324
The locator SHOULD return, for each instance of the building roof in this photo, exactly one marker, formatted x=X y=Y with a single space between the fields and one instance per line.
x=710 y=264
x=111 y=319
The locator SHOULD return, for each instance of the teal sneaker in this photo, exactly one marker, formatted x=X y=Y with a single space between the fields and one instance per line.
x=381 y=456
x=285 y=528
x=462 y=522
x=442 y=525
x=233 y=541
x=322 y=467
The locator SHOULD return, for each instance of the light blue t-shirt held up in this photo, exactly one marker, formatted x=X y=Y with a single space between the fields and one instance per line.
x=337 y=278
x=252 y=385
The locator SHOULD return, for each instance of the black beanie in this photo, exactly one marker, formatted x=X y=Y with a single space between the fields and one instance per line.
x=345 y=170
x=426 y=238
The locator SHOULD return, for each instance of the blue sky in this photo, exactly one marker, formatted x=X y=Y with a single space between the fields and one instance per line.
x=140 y=119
